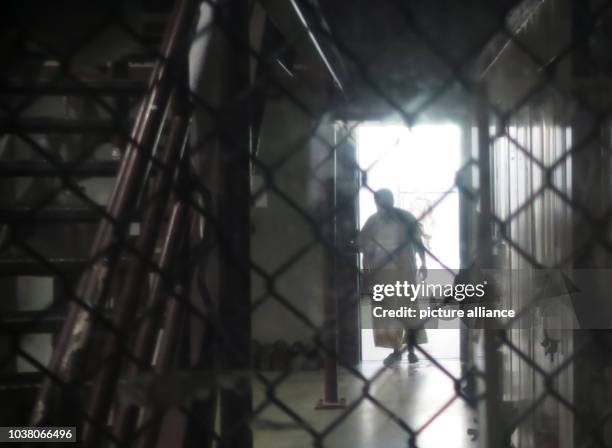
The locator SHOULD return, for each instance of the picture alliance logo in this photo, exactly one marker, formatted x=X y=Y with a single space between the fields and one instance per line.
x=412 y=291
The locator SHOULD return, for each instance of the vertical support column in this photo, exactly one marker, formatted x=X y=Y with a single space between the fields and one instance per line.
x=467 y=209
x=330 y=326
x=346 y=263
x=234 y=307
x=590 y=174
x=491 y=418
x=10 y=301
x=330 y=369
x=9 y=144
x=200 y=421
x=484 y=243
x=590 y=135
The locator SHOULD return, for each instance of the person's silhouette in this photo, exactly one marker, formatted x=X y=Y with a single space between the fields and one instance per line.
x=390 y=240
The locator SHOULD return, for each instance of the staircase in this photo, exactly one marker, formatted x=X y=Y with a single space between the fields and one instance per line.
x=67 y=155
x=57 y=230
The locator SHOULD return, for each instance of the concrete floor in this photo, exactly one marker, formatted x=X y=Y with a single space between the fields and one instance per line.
x=415 y=393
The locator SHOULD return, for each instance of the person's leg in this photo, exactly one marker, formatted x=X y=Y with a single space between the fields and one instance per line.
x=396 y=354
x=393 y=358
x=411 y=341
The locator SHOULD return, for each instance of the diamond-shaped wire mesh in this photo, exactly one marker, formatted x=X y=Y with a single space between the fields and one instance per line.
x=184 y=186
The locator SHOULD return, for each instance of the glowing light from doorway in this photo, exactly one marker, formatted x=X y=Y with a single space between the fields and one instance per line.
x=419 y=165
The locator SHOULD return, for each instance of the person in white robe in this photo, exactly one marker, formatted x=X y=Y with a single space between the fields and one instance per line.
x=390 y=240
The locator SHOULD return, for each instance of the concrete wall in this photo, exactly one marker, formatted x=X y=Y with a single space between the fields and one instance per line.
x=284 y=243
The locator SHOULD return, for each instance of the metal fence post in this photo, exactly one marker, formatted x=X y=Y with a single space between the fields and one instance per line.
x=491 y=418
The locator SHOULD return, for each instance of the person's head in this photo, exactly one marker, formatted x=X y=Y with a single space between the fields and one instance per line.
x=383 y=199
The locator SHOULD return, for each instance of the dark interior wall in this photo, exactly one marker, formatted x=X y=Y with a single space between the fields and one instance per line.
x=292 y=169
x=591 y=168
x=537 y=134
x=552 y=106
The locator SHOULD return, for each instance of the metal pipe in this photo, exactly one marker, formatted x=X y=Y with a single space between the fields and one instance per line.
x=174 y=315
x=75 y=333
x=525 y=14
x=126 y=304
x=144 y=344
x=318 y=47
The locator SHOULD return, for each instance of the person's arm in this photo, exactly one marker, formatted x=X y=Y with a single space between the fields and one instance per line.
x=364 y=241
x=417 y=238
x=364 y=237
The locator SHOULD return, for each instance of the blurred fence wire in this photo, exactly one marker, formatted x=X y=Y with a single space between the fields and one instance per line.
x=167 y=167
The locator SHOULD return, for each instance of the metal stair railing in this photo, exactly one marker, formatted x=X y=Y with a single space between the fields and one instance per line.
x=132 y=180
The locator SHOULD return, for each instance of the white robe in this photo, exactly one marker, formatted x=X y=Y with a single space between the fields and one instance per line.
x=389 y=242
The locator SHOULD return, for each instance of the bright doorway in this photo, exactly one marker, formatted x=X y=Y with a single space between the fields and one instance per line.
x=419 y=166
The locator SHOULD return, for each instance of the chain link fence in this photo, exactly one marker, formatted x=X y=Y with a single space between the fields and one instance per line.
x=180 y=214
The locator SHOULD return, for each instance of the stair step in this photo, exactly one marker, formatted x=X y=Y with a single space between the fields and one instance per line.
x=33 y=322
x=69 y=266
x=27 y=168
x=49 y=125
x=10 y=267
x=20 y=380
x=97 y=87
x=52 y=214
x=49 y=214
x=22 y=322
